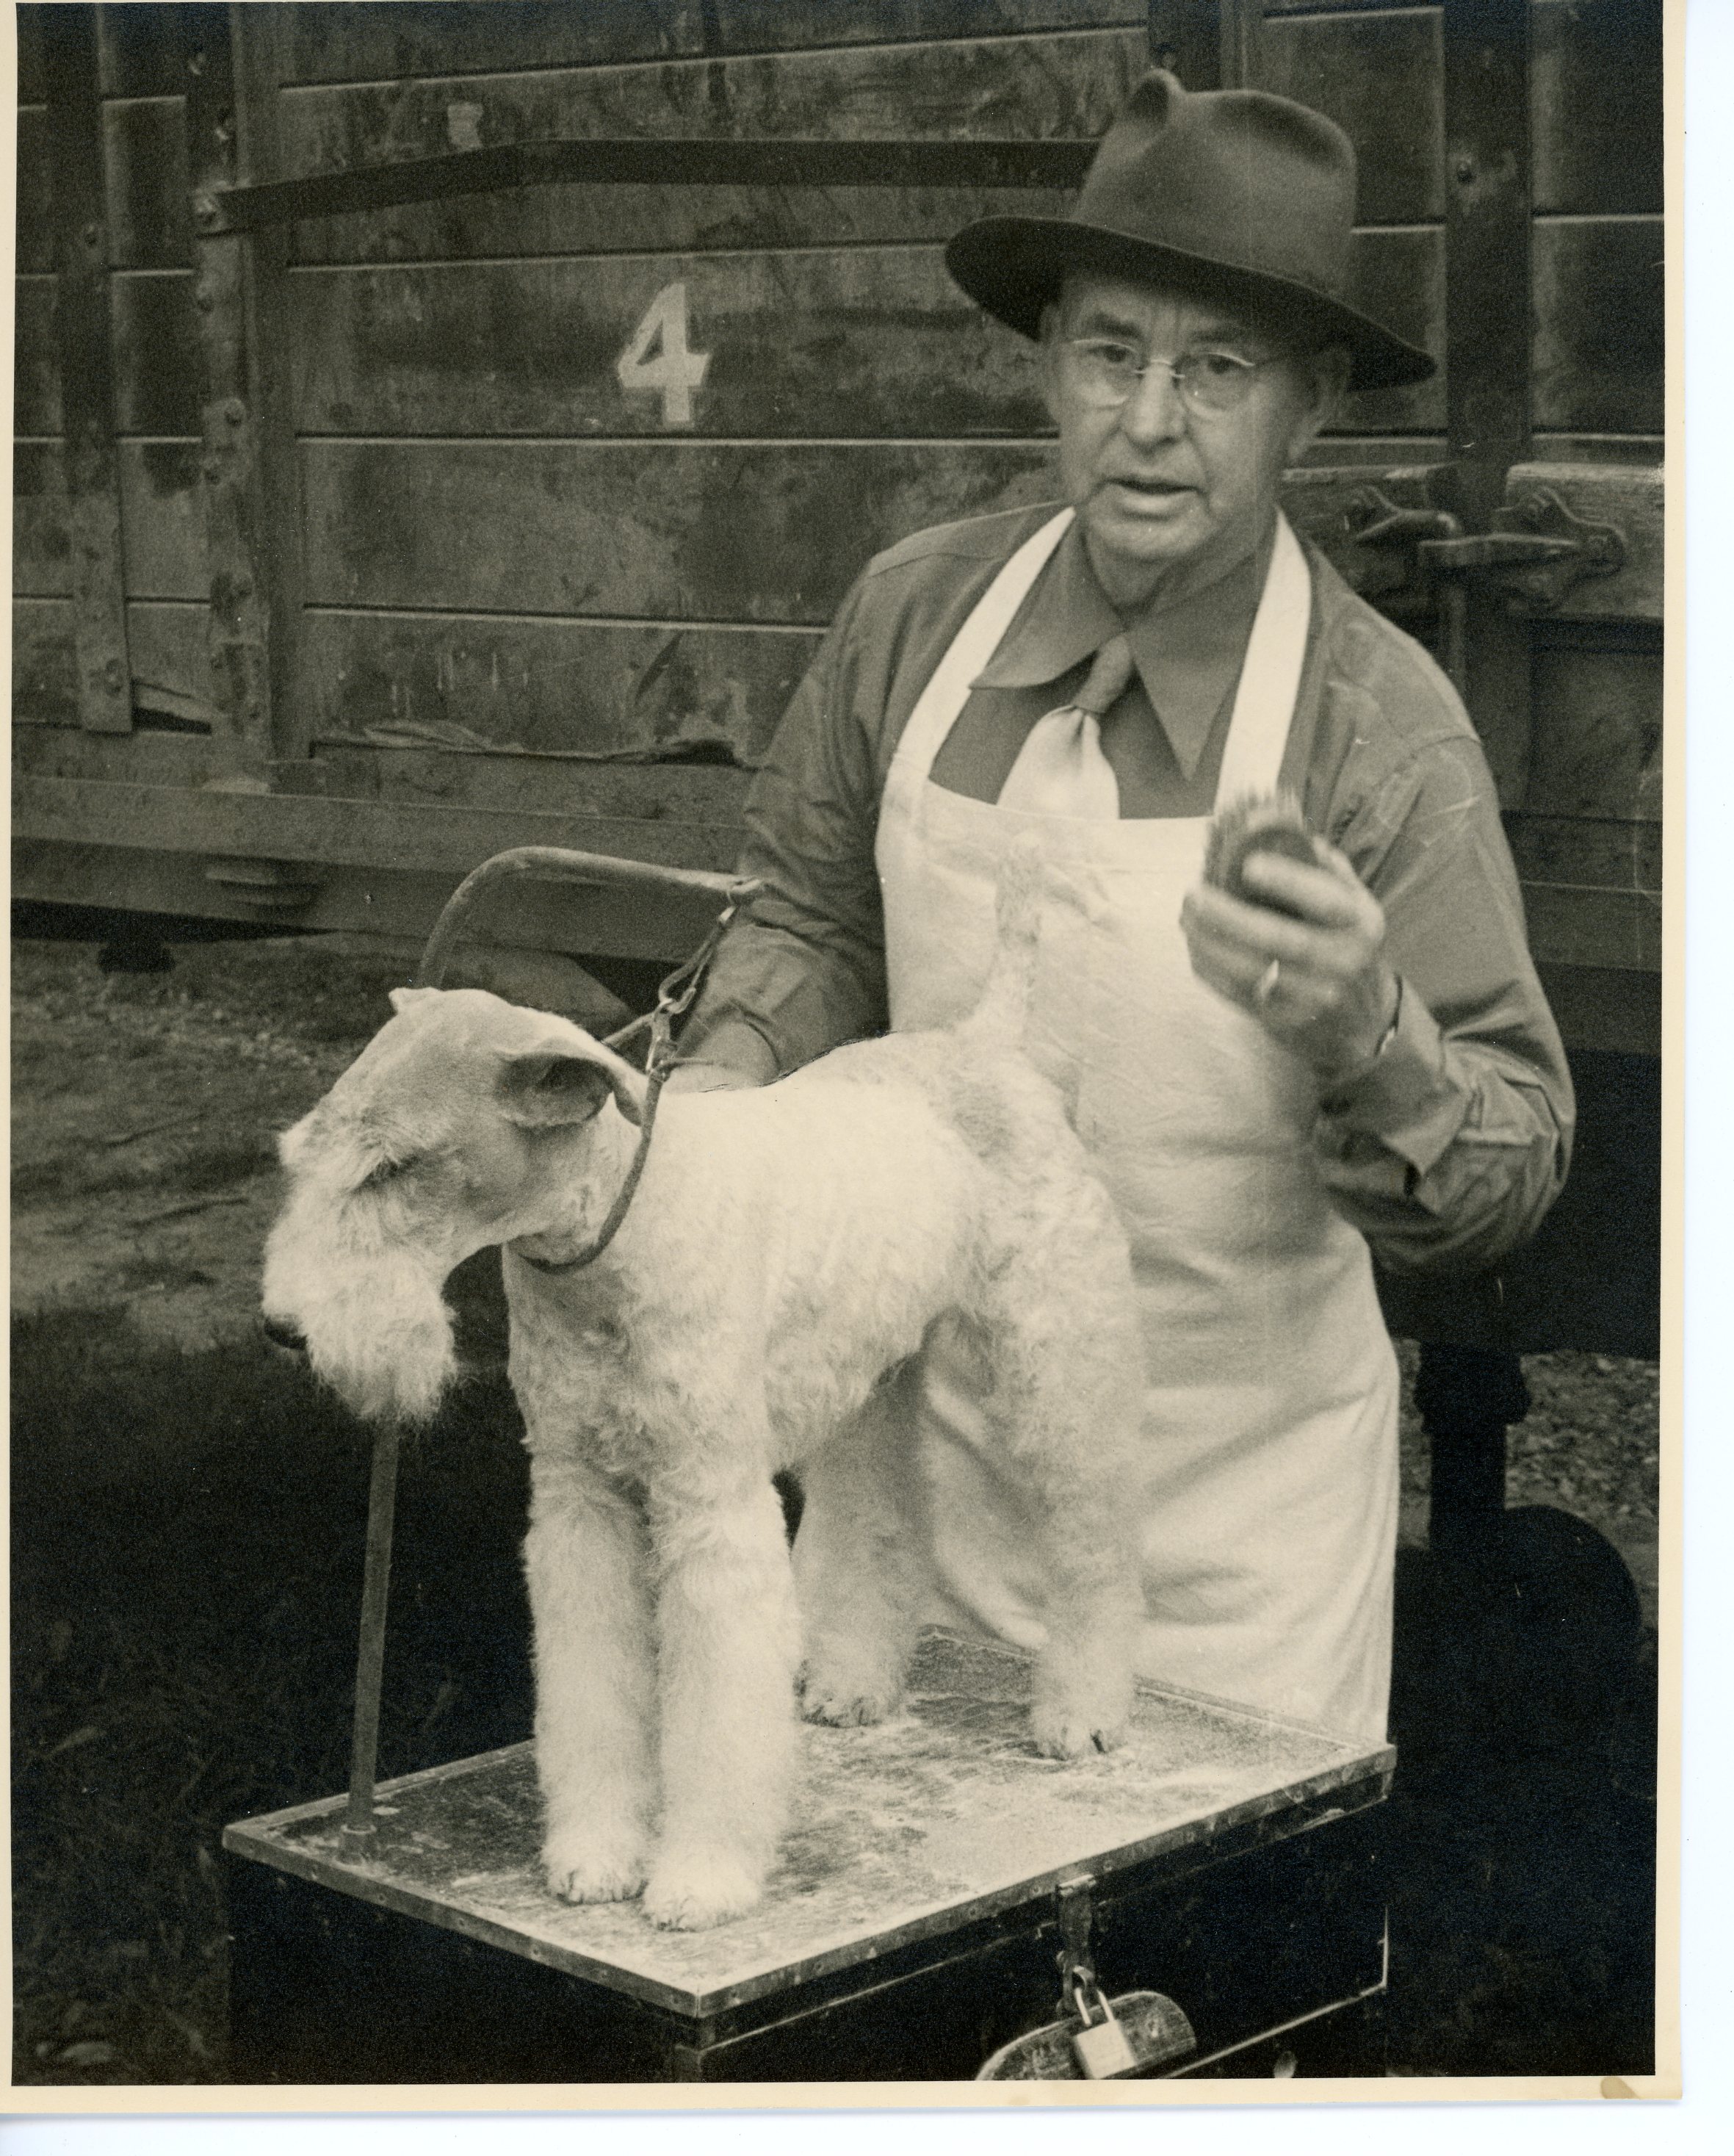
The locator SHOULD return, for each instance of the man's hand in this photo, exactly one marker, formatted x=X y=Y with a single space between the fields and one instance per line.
x=1319 y=984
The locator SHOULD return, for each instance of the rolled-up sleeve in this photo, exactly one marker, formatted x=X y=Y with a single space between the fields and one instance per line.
x=1448 y=1149
x=802 y=970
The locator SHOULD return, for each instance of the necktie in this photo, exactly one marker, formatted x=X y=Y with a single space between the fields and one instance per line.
x=1060 y=770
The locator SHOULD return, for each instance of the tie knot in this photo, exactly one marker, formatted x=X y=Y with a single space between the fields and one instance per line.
x=1109 y=674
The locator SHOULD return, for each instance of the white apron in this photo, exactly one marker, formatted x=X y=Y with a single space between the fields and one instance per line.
x=1270 y=1501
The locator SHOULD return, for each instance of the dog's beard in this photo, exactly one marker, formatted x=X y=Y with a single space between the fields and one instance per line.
x=379 y=1334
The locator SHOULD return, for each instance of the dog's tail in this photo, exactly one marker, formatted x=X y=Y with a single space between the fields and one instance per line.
x=1018 y=915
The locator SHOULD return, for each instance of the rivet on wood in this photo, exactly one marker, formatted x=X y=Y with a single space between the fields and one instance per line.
x=114 y=677
x=212 y=470
x=93 y=232
x=241 y=584
x=1465 y=170
x=203 y=298
x=234 y=411
x=204 y=210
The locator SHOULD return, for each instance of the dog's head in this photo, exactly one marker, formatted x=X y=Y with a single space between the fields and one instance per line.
x=465 y=1121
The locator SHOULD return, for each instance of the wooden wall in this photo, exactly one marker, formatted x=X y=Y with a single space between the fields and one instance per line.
x=519 y=577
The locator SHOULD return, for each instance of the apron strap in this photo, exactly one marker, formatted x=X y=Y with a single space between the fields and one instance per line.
x=1270 y=678
x=975 y=644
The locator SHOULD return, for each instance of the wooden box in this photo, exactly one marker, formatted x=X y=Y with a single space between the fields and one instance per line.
x=910 y=1928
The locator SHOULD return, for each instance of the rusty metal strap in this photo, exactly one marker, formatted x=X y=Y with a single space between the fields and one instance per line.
x=645 y=161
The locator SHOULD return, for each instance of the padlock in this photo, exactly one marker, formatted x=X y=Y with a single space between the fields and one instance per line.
x=1152 y=2028
x=1101 y=2047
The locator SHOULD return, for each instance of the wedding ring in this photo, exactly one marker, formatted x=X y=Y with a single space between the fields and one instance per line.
x=1266 y=988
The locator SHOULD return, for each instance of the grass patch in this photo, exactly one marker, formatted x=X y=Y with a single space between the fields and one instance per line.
x=187 y=1541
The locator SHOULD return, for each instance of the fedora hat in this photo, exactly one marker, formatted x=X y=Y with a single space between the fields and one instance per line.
x=1236 y=194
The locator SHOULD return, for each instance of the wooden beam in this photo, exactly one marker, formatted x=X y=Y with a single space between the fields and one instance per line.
x=86 y=342
x=1488 y=331
x=1209 y=44
x=252 y=503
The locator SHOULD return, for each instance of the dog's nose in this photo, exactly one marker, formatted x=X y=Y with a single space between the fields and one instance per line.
x=282 y=1334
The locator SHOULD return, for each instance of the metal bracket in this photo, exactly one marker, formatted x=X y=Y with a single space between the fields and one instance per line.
x=1537 y=549
x=1383 y=523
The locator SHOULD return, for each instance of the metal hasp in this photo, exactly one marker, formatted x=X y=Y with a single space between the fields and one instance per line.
x=1537 y=549
x=1096 y=2038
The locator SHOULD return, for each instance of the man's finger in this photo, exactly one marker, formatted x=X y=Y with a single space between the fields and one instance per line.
x=1318 y=895
x=1260 y=933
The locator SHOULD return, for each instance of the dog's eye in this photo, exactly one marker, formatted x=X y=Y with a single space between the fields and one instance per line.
x=386 y=1171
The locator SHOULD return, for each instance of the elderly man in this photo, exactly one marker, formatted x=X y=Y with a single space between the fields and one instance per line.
x=1355 y=1053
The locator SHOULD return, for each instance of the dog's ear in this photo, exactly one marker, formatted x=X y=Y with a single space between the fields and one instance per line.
x=551 y=1086
x=401 y=999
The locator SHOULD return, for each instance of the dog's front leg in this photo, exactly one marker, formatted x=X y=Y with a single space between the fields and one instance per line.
x=587 y=1562
x=729 y=1642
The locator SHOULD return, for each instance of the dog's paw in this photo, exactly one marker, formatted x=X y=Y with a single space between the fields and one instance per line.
x=580 y=1869
x=847 y=1704
x=1061 y=1734
x=691 y=1891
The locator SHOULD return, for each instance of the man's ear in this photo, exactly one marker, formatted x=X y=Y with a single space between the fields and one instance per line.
x=1326 y=376
x=1047 y=358
x=548 y=1086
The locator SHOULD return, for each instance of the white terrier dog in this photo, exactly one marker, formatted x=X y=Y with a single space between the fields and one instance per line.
x=786 y=1252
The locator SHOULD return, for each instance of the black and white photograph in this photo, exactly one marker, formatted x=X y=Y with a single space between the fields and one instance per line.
x=840 y=1044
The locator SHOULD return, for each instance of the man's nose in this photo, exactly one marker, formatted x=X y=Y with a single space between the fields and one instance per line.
x=1154 y=412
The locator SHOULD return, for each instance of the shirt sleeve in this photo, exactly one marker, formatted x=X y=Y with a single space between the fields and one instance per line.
x=1447 y=1151
x=803 y=969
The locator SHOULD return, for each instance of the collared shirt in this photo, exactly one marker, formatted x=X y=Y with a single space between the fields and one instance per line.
x=1448 y=1150
x=1163 y=737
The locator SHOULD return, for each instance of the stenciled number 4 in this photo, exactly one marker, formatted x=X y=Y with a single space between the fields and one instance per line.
x=656 y=359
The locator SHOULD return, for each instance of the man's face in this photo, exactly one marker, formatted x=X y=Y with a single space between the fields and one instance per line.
x=1158 y=485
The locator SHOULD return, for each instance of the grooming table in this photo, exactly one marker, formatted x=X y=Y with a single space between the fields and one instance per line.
x=1219 y=1857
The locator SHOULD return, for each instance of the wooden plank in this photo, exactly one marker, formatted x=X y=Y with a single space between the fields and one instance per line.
x=372 y=900
x=156 y=354
x=856 y=342
x=154 y=389
x=83 y=335
x=758 y=26
x=830 y=342
x=35 y=236
x=165 y=644
x=1398 y=278
x=478 y=682
x=339 y=833
x=366 y=42
x=1595 y=106
x=32 y=75
x=1604 y=853
x=138 y=53
x=146 y=757
x=36 y=358
x=41 y=564
x=1379 y=76
x=1618 y=1012
x=669 y=531
x=44 y=665
x=648 y=793
x=1598 y=736
x=145 y=156
x=1599 y=346
x=251 y=481
x=1045 y=87
x=1629 y=498
x=161 y=522
x=1571 y=926
x=1484 y=46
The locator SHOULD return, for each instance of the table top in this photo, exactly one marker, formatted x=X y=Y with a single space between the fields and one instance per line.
x=940 y=1816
